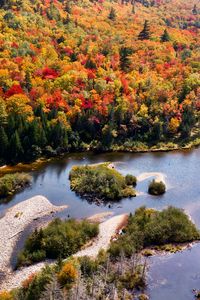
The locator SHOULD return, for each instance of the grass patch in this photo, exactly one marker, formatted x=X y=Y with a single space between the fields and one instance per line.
x=101 y=182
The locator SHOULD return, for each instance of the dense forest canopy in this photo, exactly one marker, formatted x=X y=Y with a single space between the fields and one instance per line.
x=91 y=74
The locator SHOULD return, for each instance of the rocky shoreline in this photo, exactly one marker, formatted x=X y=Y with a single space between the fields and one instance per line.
x=13 y=224
x=108 y=229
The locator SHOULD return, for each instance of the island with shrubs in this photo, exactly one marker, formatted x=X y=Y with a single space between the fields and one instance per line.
x=149 y=228
x=156 y=188
x=12 y=183
x=101 y=182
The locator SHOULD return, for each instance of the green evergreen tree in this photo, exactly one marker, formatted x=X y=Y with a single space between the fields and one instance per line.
x=15 y=148
x=112 y=14
x=133 y=9
x=68 y=7
x=3 y=143
x=3 y=113
x=2 y=3
x=124 y=58
x=165 y=36
x=194 y=10
x=27 y=83
x=145 y=33
x=34 y=133
x=43 y=138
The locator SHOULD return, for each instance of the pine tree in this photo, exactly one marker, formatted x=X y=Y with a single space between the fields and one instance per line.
x=3 y=113
x=112 y=14
x=27 y=82
x=68 y=8
x=133 y=9
x=3 y=143
x=15 y=148
x=145 y=33
x=195 y=11
x=124 y=58
x=2 y=3
x=165 y=36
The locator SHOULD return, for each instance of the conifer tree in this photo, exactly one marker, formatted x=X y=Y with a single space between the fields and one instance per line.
x=3 y=113
x=2 y=3
x=68 y=8
x=124 y=58
x=165 y=36
x=15 y=148
x=145 y=33
x=112 y=14
x=3 y=142
x=195 y=11
x=27 y=82
x=133 y=9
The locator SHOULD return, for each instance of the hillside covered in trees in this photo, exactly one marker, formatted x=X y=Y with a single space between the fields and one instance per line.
x=77 y=75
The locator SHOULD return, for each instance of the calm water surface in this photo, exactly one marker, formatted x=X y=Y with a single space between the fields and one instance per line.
x=170 y=277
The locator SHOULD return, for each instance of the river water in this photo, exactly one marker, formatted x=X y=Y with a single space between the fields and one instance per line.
x=171 y=276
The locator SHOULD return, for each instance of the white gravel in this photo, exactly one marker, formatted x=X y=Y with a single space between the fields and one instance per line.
x=158 y=176
x=13 y=223
x=107 y=230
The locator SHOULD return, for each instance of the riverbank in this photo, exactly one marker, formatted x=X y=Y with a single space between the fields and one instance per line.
x=107 y=230
x=15 y=221
x=141 y=148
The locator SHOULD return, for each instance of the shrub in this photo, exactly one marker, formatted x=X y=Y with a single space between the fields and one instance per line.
x=99 y=182
x=11 y=183
x=67 y=275
x=33 y=287
x=87 y=266
x=59 y=239
x=131 y=180
x=157 y=188
x=4 y=295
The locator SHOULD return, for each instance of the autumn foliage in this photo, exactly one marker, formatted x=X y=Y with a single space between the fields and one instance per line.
x=97 y=73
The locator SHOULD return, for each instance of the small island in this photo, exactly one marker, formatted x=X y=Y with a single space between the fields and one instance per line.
x=151 y=228
x=12 y=183
x=156 y=188
x=101 y=183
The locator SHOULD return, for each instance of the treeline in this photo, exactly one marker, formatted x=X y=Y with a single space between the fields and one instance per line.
x=22 y=139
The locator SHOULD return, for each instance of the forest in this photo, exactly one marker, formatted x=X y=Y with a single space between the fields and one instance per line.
x=97 y=75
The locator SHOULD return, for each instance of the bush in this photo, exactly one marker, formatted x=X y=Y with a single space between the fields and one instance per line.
x=11 y=183
x=4 y=295
x=157 y=188
x=150 y=228
x=67 y=275
x=87 y=266
x=99 y=182
x=33 y=287
x=131 y=180
x=59 y=239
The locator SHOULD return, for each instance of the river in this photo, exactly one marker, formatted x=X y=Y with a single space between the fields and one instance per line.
x=169 y=277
